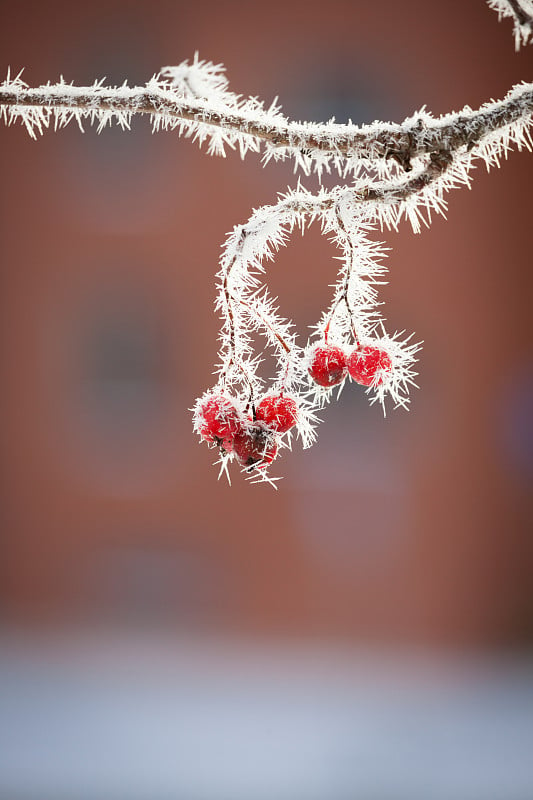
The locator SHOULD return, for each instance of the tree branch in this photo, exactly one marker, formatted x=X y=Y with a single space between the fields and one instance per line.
x=401 y=142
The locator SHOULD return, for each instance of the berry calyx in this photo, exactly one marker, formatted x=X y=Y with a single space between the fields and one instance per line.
x=279 y=412
x=369 y=365
x=255 y=446
x=218 y=420
x=327 y=365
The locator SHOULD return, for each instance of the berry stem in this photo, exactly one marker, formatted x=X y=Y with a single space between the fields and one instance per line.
x=341 y=295
x=228 y=297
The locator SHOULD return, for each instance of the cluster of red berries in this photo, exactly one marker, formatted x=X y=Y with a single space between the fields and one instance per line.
x=254 y=439
x=367 y=365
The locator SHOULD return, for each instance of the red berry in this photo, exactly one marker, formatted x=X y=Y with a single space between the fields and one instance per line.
x=327 y=365
x=218 y=421
x=279 y=412
x=368 y=365
x=255 y=445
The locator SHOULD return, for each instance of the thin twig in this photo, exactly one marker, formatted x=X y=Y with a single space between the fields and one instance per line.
x=523 y=17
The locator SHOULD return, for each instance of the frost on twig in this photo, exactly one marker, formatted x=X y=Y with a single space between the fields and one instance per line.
x=396 y=172
x=521 y=12
x=193 y=99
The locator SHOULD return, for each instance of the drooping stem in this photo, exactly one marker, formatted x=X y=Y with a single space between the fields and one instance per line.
x=228 y=300
x=342 y=289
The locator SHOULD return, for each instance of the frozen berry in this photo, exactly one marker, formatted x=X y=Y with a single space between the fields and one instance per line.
x=368 y=365
x=327 y=365
x=279 y=412
x=218 y=420
x=255 y=445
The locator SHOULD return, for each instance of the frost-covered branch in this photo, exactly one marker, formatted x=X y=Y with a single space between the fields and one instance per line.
x=210 y=112
x=521 y=12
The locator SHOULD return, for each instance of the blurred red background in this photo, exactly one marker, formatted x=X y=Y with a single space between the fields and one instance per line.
x=413 y=528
